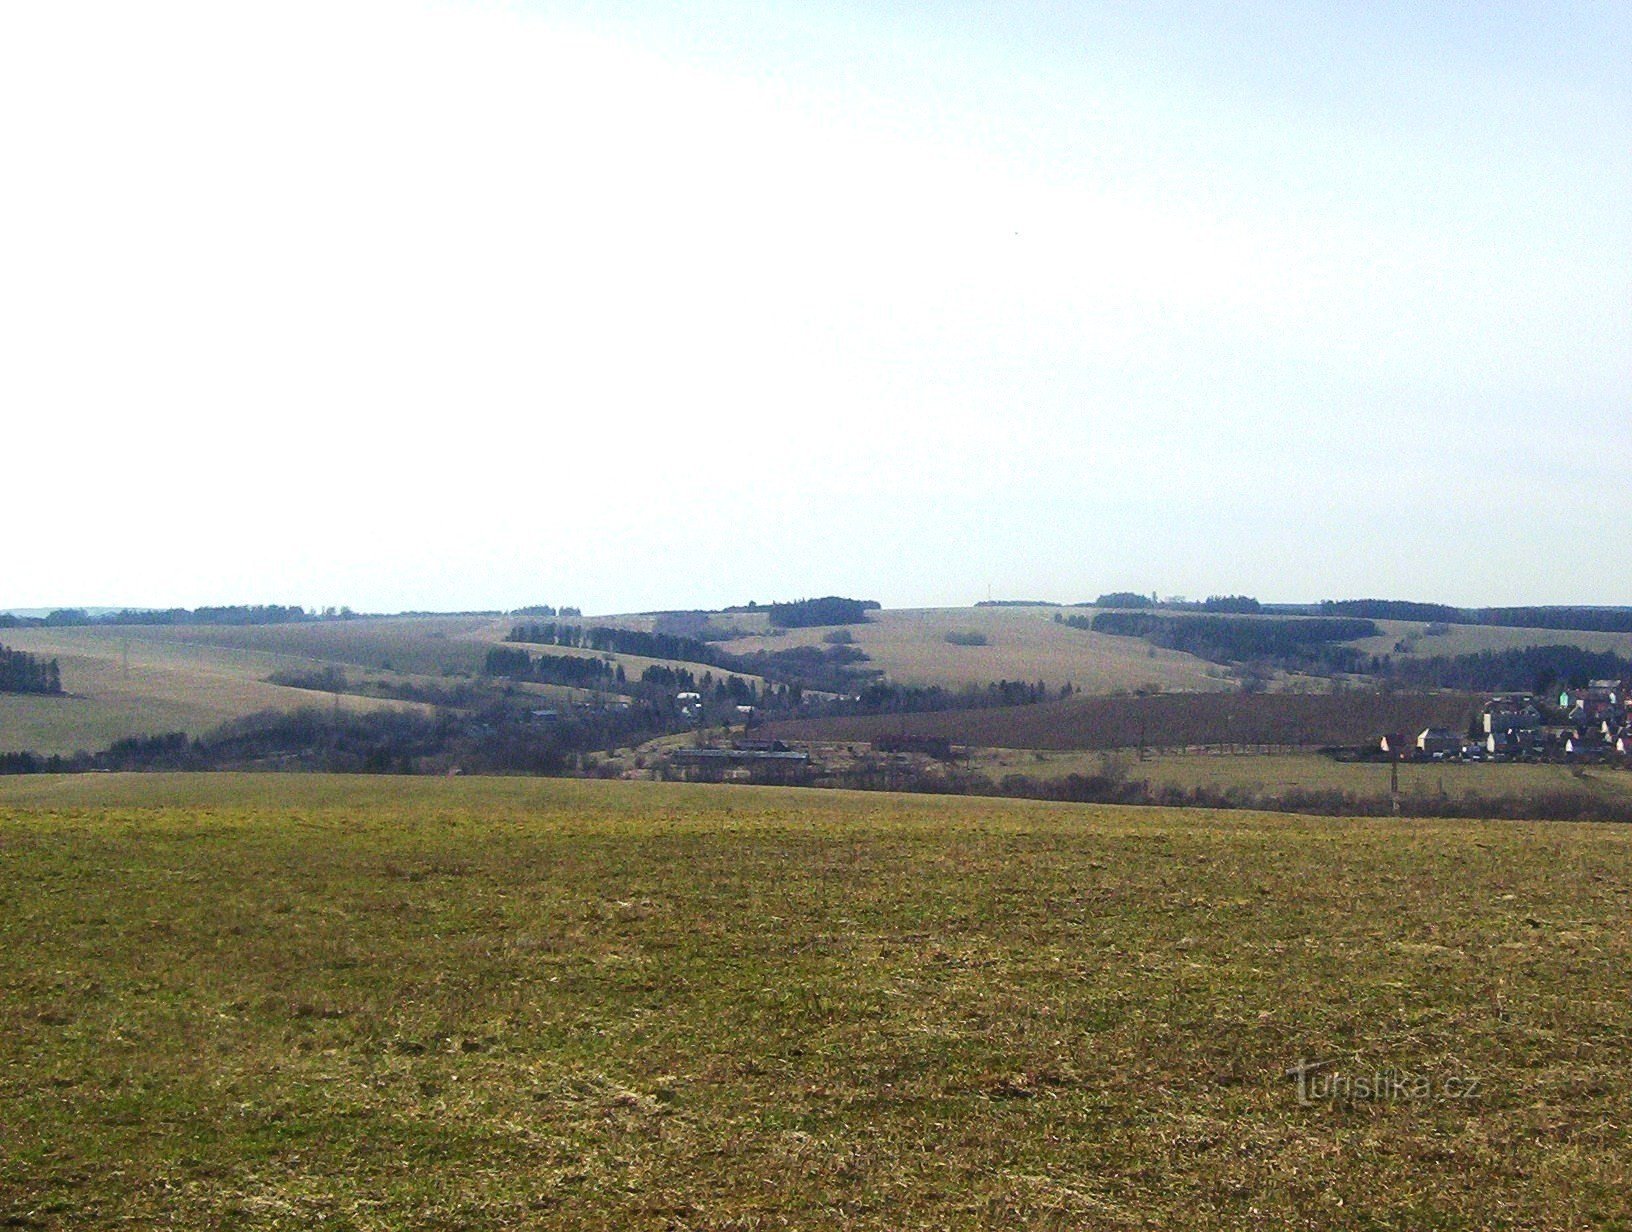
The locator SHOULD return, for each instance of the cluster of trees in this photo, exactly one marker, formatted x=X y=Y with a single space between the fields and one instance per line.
x=333 y=679
x=888 y=697
x=826 y=668
x=1238 y=605
x=1125 y=599
x=544 y=609
x=1300 y=642
x=1590 y=619
x=828 y=610
x=21 y=672
x=607 y=638
x=1535 y=669
x=579 y=672
x=330 y=678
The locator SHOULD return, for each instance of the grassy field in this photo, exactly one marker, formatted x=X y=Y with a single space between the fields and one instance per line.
x=427 y=645
x=139 y=684
x=313 y=1002
x=1309 y=771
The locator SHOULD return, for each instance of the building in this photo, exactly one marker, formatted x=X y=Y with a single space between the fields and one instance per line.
x=1439 y=743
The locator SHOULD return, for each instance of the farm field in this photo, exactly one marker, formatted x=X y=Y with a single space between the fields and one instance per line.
x=910 y=646
x=1308 y=771
x=193 y=677
x=1166 y=720
x=138 y=684
x=426 y=645
x=1478 y=639
x=322 y=1002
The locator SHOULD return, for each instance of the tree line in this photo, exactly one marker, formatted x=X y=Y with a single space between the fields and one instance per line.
x=606 y=638
x=232 y=614
x=576 y=671
x=500 y=738
x=1232 y=639
x=1589 y=619
x=1536 y=669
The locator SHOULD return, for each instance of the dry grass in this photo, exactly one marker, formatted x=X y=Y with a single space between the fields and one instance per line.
x=284 y=1002
x=1474 y=639
x=139 y=684
x=428 y=645
x=1023 y=644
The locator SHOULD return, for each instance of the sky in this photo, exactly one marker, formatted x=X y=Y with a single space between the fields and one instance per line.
x=637 y=304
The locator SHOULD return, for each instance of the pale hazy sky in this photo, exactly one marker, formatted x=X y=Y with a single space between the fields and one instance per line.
x=670 y=304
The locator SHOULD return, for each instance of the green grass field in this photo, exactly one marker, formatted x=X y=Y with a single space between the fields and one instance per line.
x=317 y=1002
x=1309 y=771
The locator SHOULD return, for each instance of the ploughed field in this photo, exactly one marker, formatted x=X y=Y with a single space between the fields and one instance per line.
x=310 y=1001
x=1164 y=720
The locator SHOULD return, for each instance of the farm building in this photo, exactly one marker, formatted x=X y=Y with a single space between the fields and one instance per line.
x=1439 y=742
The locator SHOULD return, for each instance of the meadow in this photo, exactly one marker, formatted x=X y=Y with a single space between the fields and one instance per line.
x=324 y=1002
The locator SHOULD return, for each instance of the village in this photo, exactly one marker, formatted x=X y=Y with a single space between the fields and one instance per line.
x=1587 y=725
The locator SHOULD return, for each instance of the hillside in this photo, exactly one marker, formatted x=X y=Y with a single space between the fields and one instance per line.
x=909 y=645
x=139 y=681
x=130 y=680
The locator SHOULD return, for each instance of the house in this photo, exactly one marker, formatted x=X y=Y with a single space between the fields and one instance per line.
x=1397 y=745
x=1599 y=701
x=1578 y=747
x=1512 y=712
x=1506 y=744
x=1439 y=743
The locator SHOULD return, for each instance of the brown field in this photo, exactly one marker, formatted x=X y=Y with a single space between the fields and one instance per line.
x=1165 y=720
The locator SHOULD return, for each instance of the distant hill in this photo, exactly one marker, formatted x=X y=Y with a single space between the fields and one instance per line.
x=129 y=679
